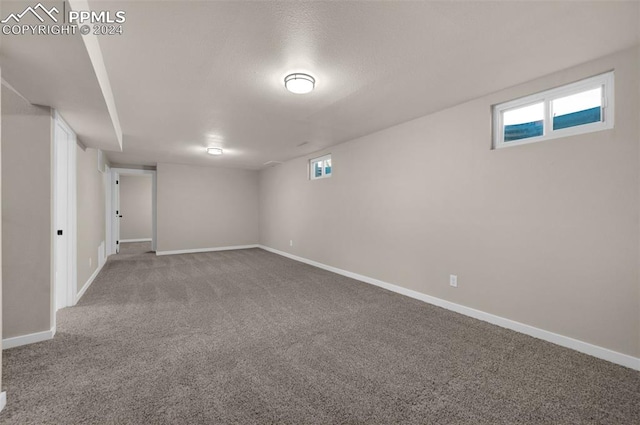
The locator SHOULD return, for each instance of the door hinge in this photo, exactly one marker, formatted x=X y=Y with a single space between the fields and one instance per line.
x=117 y=242
x=117 y=182
x=59 y=232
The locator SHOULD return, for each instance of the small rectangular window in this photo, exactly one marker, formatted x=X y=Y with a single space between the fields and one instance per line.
x=320 y=167
x=576 y=108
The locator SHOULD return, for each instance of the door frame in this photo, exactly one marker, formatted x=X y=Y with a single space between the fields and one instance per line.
x=70 y=224
x=115 y=176
x=107 y=211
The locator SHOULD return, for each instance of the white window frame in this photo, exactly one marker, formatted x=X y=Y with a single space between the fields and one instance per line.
x=312 y=161
x=606 y=81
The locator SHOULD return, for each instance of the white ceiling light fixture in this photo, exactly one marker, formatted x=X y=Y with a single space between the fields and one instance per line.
x=299 y=83
x=214 y=151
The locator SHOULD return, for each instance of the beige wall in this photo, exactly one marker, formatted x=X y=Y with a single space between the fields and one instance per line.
x=0 y=234
x=203 y=207
x=545 y=234
x=91 y=213
x=26 y=216
x=136 y=207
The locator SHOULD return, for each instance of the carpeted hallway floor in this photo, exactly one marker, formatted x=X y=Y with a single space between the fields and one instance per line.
x=251 y=337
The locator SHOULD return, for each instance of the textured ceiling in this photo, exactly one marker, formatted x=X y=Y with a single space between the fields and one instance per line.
x=188 y=75
x=56 y=71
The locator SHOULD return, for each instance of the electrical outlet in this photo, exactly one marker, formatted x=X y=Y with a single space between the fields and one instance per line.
x=453 y=280
x=291 y=242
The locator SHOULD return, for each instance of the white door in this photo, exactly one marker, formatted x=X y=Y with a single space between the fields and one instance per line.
x=118 y=213
x=62 y=138
x=107 y=212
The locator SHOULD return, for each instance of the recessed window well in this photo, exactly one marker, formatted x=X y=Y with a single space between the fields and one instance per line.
x=299 y=83
x=214 y=151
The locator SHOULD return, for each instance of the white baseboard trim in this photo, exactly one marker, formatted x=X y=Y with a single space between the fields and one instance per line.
x=17 y=341
x=135 y=240
x=88 y=282
x=3 y=400
x=564 y=341
x=193 y=251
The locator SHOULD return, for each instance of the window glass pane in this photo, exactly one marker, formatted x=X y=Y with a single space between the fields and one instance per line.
x=327 y=166
x=522 y=123
x=317 y=169
x=577 y=109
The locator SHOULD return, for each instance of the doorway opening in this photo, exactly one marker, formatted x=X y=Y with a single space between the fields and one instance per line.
x=133 y=209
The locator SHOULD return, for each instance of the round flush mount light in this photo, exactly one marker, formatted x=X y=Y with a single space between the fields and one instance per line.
x=214 y=151
x=299 y=83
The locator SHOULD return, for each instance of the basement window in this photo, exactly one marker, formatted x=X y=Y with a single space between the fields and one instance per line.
x=320 y=168
x=581 y=107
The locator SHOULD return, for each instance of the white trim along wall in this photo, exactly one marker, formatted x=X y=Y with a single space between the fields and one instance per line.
x=564 y=341
x=89 y=282
x=17 y=341
x=220 y=248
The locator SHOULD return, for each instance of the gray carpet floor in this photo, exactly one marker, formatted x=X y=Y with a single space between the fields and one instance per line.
x=251 y=337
